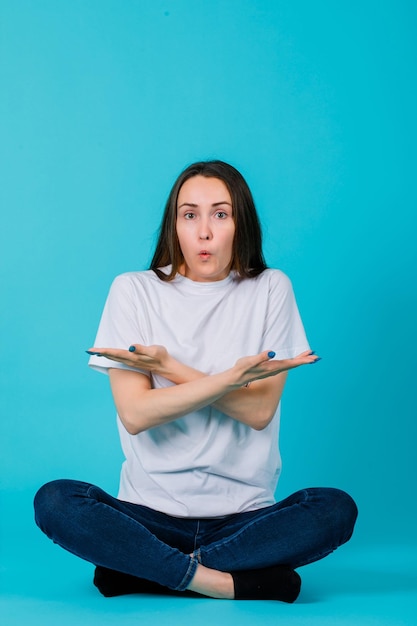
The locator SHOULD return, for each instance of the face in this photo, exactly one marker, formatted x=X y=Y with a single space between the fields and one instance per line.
x=205 y=228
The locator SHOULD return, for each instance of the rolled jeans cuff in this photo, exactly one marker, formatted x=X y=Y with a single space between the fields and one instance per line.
x=189 y=575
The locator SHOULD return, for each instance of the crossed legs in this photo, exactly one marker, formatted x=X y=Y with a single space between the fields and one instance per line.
x=138 y=549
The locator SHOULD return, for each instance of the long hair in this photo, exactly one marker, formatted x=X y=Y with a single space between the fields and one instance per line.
x=247 y=256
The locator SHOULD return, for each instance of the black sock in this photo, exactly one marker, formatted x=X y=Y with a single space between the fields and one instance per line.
x=278 y=582
x=111 y=583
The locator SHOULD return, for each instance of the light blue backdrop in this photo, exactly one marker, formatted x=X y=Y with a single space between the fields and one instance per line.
x=103 y=103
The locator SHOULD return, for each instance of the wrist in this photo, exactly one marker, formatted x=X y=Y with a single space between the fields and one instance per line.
x=177 y=372
x=235 y=378
x=166 y=367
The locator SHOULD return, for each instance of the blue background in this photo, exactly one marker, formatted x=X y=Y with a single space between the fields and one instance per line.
x=102 y=105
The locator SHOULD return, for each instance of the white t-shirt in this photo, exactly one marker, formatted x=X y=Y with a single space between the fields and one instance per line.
x=204 y=464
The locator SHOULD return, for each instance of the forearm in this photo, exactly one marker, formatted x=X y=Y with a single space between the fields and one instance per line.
x=251 y=405
x=153 y=407
x=254 y=405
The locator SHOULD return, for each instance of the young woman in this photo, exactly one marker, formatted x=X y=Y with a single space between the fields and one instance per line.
x=199 y=418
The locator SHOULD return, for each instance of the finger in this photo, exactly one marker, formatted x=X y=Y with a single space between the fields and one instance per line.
x=312 y=357
x=137 y=348
x=308 y=359
x=109 y=353
x=93 y=352
x=99 y=351
x=266 y=355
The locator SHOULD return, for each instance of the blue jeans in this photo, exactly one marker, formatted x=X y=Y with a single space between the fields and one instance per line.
x=148 y=544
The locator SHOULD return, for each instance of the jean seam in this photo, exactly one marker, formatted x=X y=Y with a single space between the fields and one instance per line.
x=197 y=555
x=90 y=488
x=196 y=535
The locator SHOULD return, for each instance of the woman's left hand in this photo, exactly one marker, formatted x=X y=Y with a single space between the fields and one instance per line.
x=150 y=358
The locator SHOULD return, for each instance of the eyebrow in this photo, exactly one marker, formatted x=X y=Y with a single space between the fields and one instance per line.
x=194 y=206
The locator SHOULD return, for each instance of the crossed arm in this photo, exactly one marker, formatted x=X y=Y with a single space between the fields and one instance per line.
x=141 y=407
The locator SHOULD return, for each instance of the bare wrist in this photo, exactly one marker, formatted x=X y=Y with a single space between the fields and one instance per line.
x=166 y=367
x=236 y=381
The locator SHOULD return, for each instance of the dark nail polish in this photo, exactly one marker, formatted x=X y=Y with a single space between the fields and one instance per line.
x=271 y=354
x=132 y=349
x=316 y=361
x=93 y=353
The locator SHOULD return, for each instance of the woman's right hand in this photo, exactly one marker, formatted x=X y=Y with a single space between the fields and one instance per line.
x=150 y=358
x=250 y=368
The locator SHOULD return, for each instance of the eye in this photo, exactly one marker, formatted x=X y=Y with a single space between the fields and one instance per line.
x=189 y=215
x=221 y=215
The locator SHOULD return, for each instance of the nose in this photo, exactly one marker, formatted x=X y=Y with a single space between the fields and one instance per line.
x=205 y=230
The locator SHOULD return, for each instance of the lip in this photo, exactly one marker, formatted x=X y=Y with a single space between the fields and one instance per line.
x=204 y=253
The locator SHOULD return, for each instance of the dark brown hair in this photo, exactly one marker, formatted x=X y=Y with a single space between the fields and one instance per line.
x=247 y=259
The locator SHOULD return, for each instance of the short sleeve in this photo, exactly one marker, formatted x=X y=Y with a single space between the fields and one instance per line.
x=284 y=331
x=119 y=325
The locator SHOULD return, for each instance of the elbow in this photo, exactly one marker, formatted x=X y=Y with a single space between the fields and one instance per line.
x=259 y=425
x=131 y=429
x=262 y=420
x=130 y=425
